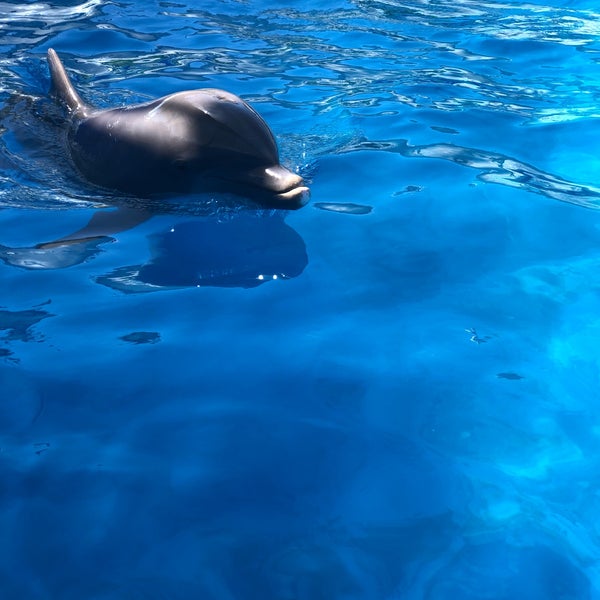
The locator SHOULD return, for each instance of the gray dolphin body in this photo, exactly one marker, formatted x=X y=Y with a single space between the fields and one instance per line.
x=193 y=141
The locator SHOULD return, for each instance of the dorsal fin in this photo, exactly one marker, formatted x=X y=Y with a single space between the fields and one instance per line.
x=62 y=87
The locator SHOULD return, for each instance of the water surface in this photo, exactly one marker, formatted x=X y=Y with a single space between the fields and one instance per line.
x=391 y=393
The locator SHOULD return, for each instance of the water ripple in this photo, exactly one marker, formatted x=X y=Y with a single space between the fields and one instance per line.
x=493 y=168
x=32 y=23
x=502 y=20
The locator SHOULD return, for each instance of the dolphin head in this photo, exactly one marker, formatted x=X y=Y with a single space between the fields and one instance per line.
x=229 y=139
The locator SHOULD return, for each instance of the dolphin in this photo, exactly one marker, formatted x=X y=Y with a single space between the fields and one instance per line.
x=200 y=140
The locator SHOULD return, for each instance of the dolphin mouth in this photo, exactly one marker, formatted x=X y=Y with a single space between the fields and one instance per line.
x=286 y=188
x=294 y=198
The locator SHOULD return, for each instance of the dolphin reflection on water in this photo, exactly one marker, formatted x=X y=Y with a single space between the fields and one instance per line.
x=242 y=249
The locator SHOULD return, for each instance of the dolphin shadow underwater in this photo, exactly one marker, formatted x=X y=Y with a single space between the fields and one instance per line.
x=243 y=249
x=186 y=144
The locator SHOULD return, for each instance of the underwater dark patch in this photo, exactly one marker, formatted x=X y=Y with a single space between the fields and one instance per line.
x=141 y=337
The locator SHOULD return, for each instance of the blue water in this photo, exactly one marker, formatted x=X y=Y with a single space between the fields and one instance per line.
x=232 y=403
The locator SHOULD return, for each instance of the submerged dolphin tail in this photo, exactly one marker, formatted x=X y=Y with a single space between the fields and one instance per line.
x=62 y=87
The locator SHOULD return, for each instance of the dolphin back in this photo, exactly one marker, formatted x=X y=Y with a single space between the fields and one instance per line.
x=62 y=87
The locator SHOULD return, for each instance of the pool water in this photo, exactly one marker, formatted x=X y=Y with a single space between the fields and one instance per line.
x=392 y=393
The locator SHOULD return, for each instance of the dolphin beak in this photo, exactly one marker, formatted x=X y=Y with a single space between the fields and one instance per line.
x=287 y=188
x=294 y=198
x=276 y=179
